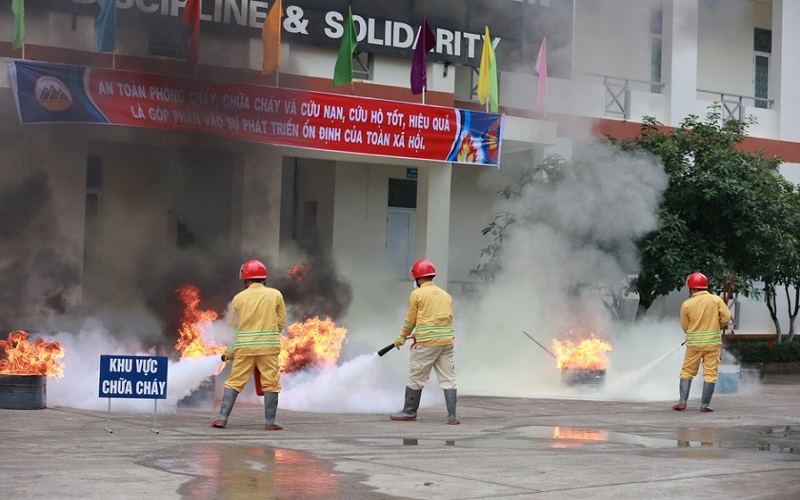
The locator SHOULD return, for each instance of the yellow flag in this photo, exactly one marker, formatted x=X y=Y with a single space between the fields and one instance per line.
x=271 y=38
x=487 y=74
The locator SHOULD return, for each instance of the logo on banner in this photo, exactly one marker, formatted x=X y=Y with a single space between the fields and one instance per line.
x=52 y=94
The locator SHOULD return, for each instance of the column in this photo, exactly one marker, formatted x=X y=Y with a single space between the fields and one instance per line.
x=784 y=73
x=261 y=204
x=679 y=58
x=433 y=217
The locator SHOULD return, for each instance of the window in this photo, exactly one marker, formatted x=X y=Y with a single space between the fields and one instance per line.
x=762 y=46
x=402 y=193
x=94 y=186
x=167 y=39
x=362 y=66
x=656 y=41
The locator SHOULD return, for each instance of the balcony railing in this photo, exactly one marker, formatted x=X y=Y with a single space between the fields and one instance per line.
x=618 y=93
x=733 y=105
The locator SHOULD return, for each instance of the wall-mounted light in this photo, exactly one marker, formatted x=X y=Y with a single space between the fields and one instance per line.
x=446 y=65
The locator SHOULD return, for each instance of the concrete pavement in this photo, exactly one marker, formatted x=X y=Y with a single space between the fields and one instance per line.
x=505 y=449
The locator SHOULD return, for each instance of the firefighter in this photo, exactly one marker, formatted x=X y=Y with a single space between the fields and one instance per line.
x=429 y=322
x=703 y=315
x=259 y=315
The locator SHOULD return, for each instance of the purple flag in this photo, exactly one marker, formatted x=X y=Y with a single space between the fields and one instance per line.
x=419 y=68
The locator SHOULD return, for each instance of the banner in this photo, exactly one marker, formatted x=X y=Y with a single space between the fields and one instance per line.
x=51 y=93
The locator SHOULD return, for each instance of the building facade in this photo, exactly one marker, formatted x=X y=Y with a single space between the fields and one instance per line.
x=113 y=207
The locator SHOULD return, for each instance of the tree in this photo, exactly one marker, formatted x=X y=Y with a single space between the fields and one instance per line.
x=784 y=268
x=722 y=213
x=725 y=212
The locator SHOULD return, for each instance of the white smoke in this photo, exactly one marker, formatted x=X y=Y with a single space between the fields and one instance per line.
x=79 y=387
x=365 y=384
x=574 y=240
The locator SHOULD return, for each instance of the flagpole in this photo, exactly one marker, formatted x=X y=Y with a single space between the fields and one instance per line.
x=277 y=77
x=423 y=95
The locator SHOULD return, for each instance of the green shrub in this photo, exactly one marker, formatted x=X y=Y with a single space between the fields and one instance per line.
x=764 y=351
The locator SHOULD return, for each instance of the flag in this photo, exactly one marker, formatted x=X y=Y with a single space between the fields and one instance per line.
x=541 y=70
x=105 y=26
x=343 y=72
x=271 y=38
x=18 y=8
x=191 y=21
x=487 y=76
x=419 y=68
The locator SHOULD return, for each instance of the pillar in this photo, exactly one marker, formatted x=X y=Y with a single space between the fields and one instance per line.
x=433 y=217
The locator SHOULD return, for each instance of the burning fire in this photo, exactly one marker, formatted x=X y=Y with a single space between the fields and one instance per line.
x=313 y=342
x=588 y=354
x=298 y=272
x=310 y=343
x=191 y=343
x=40 y=357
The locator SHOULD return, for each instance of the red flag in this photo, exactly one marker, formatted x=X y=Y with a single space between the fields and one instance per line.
x=191 y=21
x=541 y=70
x=419 y=67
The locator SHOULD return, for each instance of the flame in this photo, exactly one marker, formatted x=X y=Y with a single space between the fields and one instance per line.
x=298 y=272
x=191 y=342
x=588 y=354
x=313 y=342
x=467 y=151
x=40 y=357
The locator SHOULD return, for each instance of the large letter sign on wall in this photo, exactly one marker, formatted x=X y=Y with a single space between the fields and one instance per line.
x=50 y=93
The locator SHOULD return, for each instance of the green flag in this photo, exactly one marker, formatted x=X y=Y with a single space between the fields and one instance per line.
x=18 y=8
x=343 y=72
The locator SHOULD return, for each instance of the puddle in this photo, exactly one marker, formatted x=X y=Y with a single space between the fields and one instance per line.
x=245 y=472
x=543 y=437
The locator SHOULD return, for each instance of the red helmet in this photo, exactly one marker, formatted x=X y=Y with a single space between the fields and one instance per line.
x=422 y=268
x=698 y=281
x=253 y=270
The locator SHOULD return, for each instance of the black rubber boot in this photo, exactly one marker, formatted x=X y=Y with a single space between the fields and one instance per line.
x=450 y=400
x=705 y=400
x=409 y=412
x=685 y=384
x=270 y=410
x=228 y=398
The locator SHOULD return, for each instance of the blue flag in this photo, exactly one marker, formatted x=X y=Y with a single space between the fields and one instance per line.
x=105 y=26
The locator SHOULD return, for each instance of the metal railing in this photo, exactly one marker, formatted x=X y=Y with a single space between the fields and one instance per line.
x=733 y=107
x=618 y=93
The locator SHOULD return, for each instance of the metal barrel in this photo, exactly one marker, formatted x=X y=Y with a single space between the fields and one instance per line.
x=23 y=392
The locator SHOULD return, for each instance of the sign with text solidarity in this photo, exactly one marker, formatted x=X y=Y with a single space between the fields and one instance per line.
x=50 y=93
x=139 y=377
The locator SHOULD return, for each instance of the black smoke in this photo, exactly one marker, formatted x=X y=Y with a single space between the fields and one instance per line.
x=38 y=266
x=315 y=288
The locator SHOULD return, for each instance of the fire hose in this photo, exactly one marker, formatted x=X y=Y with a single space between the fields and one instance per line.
x=386 y=349
x=540 y=345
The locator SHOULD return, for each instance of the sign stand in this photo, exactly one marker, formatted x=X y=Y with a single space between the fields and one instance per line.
x=108 y=422
x=154 y=428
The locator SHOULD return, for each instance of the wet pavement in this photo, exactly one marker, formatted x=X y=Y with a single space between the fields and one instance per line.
x=505 y=448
